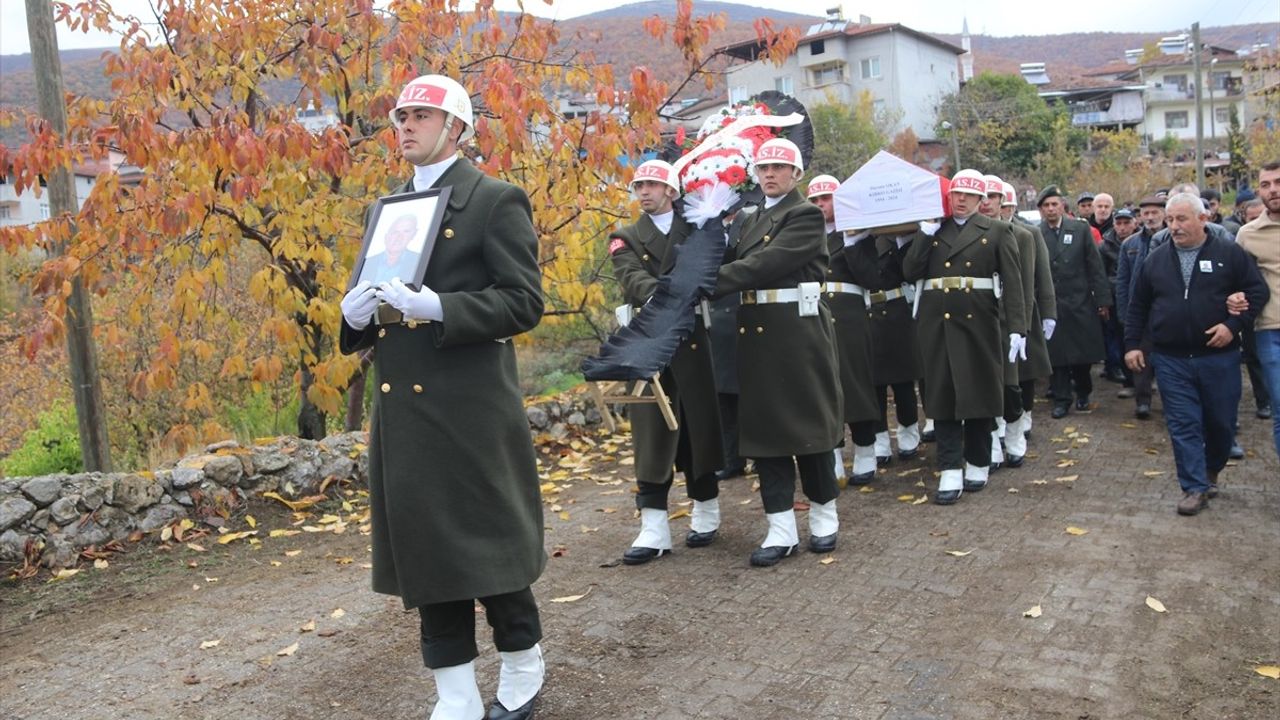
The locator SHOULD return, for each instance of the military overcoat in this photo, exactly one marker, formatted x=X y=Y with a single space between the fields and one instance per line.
x=1080 y=286
x=789 y=390
x=643 y=255
x=1045 y=306
x=1027 y=271
x=895 y=353
x=855 y=346
x=960 y=331
x=454 y=490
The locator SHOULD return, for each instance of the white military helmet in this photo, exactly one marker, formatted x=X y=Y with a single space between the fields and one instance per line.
x=1010 y=196
x=779 y=151
x=969 y=181
x=442 y=93
x=822 y=185
x=657 y=171
x=994 y=185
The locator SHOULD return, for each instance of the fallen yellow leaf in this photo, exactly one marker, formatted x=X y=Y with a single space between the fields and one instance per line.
x=1270 y=671
x=1153 y=473
x=292 y=553
x=906 y=498
x=287 y=652
x=308 y=626
x=826 y=560
x=1066 y=463
x=1067 y=478
x=564 y=515
x=166 y=533
x=959 y=553
x=1069 y=429
x=1013 y=490
x=210 y=644
x=866 y=489
x=1155 y=604
x=64 y=574
x=196 y=547
x=232 y=537
x=678 y=514
x=100 y=564
x=281 y=532
x=337 y=613
x=1077 y=531
x=253 y=522
x=1039 y=482
x=912 y=471
x=276 y=563
x=921 y=500
x=571 y=598
x=1034 y=612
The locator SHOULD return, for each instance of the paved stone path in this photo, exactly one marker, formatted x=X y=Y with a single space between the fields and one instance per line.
x=894 y=628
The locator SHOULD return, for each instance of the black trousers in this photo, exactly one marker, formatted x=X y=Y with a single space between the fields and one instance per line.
x=1064 y=376
x=654 y=495
x=449 y=629
x=904 y=404
x=1013 y=400
x=1028 y=395
x=961 y=441
x=778 y=480
x=729 y=430
x=863 y=432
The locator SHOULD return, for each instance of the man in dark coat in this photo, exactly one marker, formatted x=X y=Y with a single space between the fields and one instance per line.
x=789 y=407
x=453 y=479
x=1041 y=314
x=724 y=359
x=967 y=269
x=1103 y=221
x=1081 y=290
x=847 y=277
x=1133 y=252
x=641 y=253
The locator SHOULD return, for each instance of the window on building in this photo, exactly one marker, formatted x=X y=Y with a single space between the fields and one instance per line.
x=4 y=212
x=1175 y=81
x=783 y=84
x=737 y=94
x=1219 y=80
x=817 y=47
x=1175 y=119
x=1222 y=116
x=827 y=74
x=871 y=67
x=44 y=211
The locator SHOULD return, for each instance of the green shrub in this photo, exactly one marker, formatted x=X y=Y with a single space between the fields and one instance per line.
x=52 y=446
x=266 y=413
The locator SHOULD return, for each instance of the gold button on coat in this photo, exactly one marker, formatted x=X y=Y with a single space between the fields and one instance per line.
x=417 y=388
x=693 y=346
x=448 y=232
x=984 y=241
x=946 y=264
x=412 y=324
x=767 y=238
x=968 y=264
x=946 y=316
x=742 y=331
x=759 y=330
x=382 y=332
x=386 y=387
x=645 y=257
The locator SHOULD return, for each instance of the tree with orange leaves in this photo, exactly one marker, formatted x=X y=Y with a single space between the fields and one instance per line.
x=209 y=102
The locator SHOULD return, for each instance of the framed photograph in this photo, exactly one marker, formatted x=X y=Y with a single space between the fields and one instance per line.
x=399 y=238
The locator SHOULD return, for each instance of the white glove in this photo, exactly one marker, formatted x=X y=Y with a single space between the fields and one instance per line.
x=423 y=304
x=929 y=228
x=359 y=304
x=1048 y=324
x=1017 y=347
x=851 y=240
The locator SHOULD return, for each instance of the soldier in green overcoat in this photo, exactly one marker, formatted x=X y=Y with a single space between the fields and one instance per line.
x=962 y=267
x=454 y=490
x=848 y=273
x=641 y=252
x=1042 y=312
x=789 y=408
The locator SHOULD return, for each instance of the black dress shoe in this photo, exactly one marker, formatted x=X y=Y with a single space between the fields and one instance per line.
x=882 y=460
x=525 y=712
x=1060 y=411
x=824 y=544
x=862 y=479
x=946 y=497
x=1082 y=403
x=974 y=485
x=1143 y=412
x=770 y=556
x=700 y=539
x=908 y=454
x=642 y=555
x=1013 y=461
x=731 y=473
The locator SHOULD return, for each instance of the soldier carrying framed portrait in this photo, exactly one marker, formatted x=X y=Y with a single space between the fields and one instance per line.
x=399 y=237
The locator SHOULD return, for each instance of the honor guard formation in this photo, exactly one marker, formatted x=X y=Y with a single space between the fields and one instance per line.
x=960 y=311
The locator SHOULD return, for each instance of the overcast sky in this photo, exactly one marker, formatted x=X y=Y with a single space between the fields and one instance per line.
x=992 y=17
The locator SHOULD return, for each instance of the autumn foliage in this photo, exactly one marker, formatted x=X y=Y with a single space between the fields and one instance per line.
x=220 y=261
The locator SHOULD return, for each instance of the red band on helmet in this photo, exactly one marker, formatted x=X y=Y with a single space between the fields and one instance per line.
x=423 y=93
x=823 y=188
x=652 y=172
x=780 y=154
x=969 y=183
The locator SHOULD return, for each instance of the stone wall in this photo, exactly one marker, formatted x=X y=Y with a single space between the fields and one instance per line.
x=53 y=517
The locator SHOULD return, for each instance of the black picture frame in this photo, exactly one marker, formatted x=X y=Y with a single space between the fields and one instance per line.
x=425 y=210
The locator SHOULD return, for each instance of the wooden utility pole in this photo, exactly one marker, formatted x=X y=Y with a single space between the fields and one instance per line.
x=90 y=414
x=1195 y=64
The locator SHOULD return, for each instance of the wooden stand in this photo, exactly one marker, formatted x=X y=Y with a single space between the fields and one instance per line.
x=614 y=392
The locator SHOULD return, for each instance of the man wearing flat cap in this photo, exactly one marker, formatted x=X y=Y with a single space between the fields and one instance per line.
x=1082 y=293
x=1133 y=251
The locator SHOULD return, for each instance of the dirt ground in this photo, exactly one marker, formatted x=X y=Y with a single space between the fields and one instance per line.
x=893 y=627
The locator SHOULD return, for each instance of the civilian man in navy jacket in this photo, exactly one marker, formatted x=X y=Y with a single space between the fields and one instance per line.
x=1180 y=297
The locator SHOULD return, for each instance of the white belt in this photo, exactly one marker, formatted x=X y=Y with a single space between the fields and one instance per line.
x=762 y=297
x=960 y=283
x=844 y=287
x=882 y=296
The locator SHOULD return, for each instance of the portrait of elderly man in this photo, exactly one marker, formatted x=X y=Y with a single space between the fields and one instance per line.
x=396 y=260
x=1180 y=297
